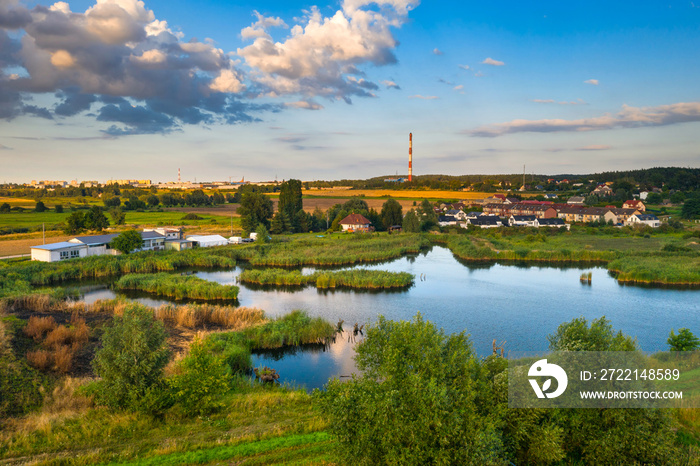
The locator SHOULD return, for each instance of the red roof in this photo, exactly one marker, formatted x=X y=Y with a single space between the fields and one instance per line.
x=355 y=219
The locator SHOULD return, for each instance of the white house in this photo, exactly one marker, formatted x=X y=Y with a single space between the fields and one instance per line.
x=58 y=251
x=208 y=241
x=643 y=219
x=355 y=222
x=522 y=220
x=458 y=214
x=97 y=245
x=552 y=223
x=485 y=221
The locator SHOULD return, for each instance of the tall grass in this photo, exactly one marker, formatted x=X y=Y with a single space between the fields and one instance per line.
x=295 y=328
x=661 y=269
x=177 y=286
x=361 y=279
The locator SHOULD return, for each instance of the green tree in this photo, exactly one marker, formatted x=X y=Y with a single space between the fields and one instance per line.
x=110 y=200
x=411 y=224
x=40 y=207
x=392 y=213
x=684 y=341
x=152 y=200
x=59 y=208
x=200 y=381
x=256 y=208
x=280 y=224
x=263 y=234
x=654 y=198
x=355 y=205
x=5 y=208
x=95 y=219
x=75 y=223
x=290 y=198
x=303 y=221
x=577 y=335
x=118 y=216
x=691 y=208
x=127 y=241
x=132 y=357
x=415 y=402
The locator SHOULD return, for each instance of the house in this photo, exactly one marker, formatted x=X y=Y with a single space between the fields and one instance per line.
x=623 y=214
x=208 y=241
x=446 y=220
x=643 y=219
x=634 y=204
x=485 y=221
x=571 y=214
x=550 y=196
x=458 y=214
x=602 y=190
x=355 y=222
x=170 y=233
x=152 y=241
x=576 y=200
x=58 y=251
x=643 y=195
x=97 y=245
x=522 y=220
x=551 y=223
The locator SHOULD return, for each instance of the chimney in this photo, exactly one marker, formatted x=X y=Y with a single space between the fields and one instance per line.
x=410 y=156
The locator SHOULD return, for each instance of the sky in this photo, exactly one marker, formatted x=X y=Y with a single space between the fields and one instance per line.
x=226 y=89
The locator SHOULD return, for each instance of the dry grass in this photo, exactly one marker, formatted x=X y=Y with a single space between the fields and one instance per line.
x=39 y=327
x=197 y=316
x=12 y=245
x=63 y=359
x=40 y=359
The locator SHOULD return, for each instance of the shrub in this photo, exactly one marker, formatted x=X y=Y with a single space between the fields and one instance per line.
x=191 y=217
x=201 y=380
x=132 y=358
x=38 y=327
x=684 y=341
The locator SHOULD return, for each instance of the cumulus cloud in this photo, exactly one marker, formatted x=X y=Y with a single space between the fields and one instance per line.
x=628 y=117
x=321 y=55
x=492 y=62
x=592 y=81
x=130 y=68
x=464 y=67
x=437 y=51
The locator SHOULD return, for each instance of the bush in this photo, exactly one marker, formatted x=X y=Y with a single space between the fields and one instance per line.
x=191 y=217
x=132 y=358
x=684 y=341
x=201 y=380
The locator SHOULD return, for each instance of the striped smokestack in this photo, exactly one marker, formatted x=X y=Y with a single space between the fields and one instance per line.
x=410 y=156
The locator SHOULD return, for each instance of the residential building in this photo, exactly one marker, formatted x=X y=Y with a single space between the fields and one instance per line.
x=602 y=190
x=58 y=251
x=522 y=220
x=485 y=221
x=458 y=214
x=576 y=200
x=643 y=219
x=634 y=204
x=97 y=245
x=356 y=222
x=446 y=220
x=551 y=223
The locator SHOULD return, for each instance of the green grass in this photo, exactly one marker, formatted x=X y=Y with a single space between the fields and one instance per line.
x=177 y=286
x=661 y=269
x=358 y=279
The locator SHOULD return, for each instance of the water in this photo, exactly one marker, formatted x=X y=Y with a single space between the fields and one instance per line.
x=518 y=305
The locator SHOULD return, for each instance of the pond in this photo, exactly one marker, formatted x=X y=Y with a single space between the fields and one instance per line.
x=520 y=305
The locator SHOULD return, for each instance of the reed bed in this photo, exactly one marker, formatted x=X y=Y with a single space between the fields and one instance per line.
x=337 y=250
x=295 y=328
x=358 y=279
x=177 y=286
x=683 y=270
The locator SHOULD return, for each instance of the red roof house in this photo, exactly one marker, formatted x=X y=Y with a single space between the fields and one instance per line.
x=355 y=222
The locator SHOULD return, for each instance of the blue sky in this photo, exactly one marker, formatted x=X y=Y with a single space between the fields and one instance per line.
x=128 y=89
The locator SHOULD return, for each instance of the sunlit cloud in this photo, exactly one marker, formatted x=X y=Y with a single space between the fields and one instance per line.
x=423 y=97
x=594 y=82
x=492 y=62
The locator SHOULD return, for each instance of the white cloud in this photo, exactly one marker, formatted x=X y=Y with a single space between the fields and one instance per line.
x=592 y=81
x=391 y=84
x=464 y=67
x=437 y=51
x=424 y=97
x=260 y=27
x=492 y=62
x=305 y=104
x=228 y=82
x=628 y=117
x=459 y=87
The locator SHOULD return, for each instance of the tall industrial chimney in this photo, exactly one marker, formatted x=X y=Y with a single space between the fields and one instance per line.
x=178 y=176
x=410 y=156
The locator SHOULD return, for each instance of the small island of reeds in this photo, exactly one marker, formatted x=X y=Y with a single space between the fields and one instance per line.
x=177 y=286
x=357 y=278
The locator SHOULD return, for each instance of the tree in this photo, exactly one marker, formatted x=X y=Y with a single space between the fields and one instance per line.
x=59 y=208
x=290 y=199
x=111 y=201
x=303 y=221
x=95 y=219
x=152 y=200
x=263 y=235
x=411 y=224
x=355 y=206
x=418 y=387
x=256 y=208
x=392 y=213
x=133 y=355
x=75 y=223
x=654 y=198
x=127 y=241
x=600 y=336
x=678 y=197
x=691 y=208
x=40 y=207
x=5 y=208
x=118 y=216
x=684 y=341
